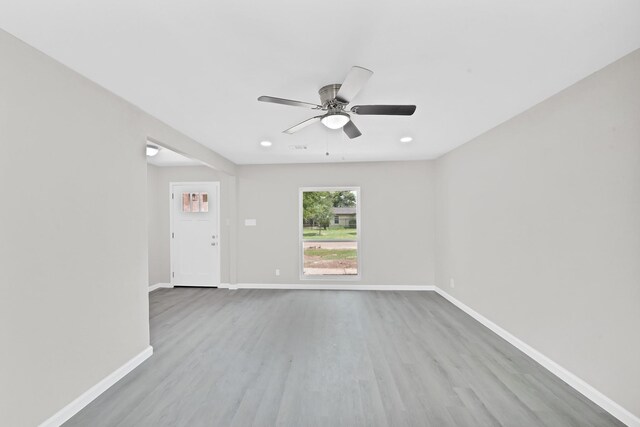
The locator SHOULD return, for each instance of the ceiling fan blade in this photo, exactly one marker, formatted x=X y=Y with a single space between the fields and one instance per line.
x=384 y=110
x=289 y=102
x=351 y=130
x=355 y=80
x=302 y=125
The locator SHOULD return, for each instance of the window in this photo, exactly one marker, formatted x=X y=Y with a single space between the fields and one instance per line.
x=195 y=202
x=330 y=232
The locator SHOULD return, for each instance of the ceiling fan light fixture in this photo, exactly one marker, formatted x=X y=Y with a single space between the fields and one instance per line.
x=335 y=120
x=334 y=98
x=152 y=150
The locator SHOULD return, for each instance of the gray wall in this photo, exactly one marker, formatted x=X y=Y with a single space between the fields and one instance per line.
x=397 y=224
x=158 y=211
x=538 y=222
x=73 y=252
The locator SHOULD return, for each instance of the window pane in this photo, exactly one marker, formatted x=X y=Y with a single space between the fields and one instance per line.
x=330 y=258
x=195 y=202
x=186 y=202
x=330 y=233
x=204 y=202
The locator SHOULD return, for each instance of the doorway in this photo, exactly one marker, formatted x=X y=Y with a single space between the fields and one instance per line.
x=195 y=233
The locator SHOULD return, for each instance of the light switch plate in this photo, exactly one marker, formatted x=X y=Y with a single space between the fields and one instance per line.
x=250 y=222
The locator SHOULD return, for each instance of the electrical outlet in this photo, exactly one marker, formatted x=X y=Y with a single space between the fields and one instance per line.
x=452 y=283
x=277 y=271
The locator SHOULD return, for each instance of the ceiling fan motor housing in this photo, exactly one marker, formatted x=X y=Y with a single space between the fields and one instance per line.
x=328 y=94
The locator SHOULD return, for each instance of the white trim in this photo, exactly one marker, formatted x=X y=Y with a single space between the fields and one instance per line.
x=88 y=396
x=565 y=375
x=327 y=286
x=336 y=277
x=160 y=285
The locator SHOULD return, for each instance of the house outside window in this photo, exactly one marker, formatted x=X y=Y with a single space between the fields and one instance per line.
x=330 y=233
x=345 y=217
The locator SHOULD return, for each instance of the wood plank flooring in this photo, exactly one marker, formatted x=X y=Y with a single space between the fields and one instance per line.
x=330 y=358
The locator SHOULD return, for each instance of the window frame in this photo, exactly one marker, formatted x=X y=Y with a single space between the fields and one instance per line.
x=358 y=240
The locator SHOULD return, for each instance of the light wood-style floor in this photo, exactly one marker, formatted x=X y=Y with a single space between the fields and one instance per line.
x=330 y=358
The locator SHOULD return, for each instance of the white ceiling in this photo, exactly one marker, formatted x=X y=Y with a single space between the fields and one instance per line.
x=166 y=157
x=199 y=65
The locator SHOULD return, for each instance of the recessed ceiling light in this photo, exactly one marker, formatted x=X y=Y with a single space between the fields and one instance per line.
x=406 y=139
x=152 y=150
x=266 y=143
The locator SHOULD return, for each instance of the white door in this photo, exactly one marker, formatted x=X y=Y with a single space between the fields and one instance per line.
x=195 y=237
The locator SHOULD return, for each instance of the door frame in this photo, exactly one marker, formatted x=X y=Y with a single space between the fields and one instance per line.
x=171 y=245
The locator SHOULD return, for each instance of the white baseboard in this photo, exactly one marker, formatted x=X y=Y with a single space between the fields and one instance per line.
x=88 y=396
x=160 y=285
x=568 y=377
x=327 y=286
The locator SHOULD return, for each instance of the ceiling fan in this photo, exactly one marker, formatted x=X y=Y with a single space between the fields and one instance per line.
x=334 y=99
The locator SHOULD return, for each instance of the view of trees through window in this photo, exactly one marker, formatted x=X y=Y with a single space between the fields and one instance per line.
x=330 y=233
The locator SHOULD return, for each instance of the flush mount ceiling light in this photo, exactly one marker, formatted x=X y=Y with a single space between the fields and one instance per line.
x=152 y=150
x=266 y=143
x=335 y=120
x=406 y=139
